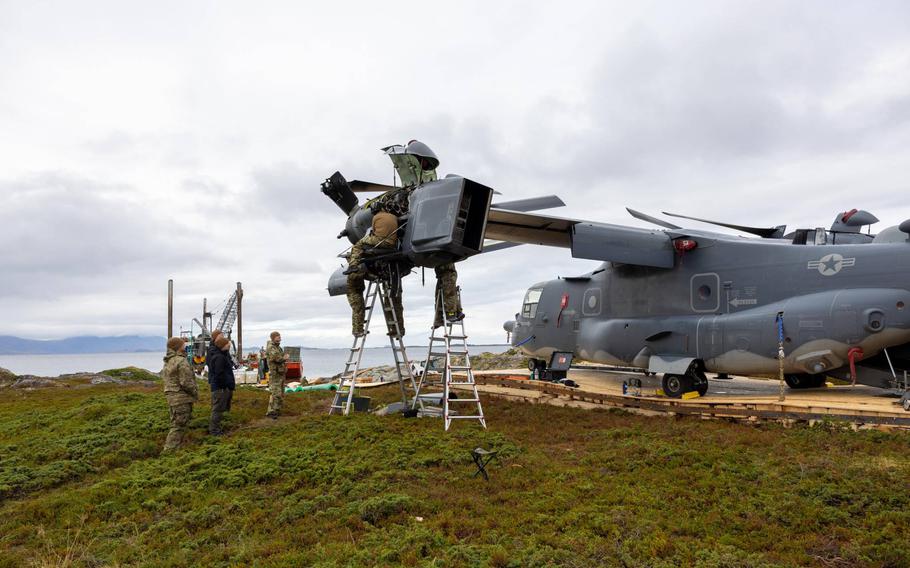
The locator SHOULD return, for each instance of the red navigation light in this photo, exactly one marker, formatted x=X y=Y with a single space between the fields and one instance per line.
x=683 y=245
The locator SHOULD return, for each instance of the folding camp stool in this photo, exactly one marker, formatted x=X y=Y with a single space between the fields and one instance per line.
x=482 y=458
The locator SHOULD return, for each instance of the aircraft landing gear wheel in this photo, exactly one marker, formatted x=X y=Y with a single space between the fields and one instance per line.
x=804 y=381
x=675 y=386
x=702 y=388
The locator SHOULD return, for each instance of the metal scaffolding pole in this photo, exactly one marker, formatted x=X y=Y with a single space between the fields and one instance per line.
x=170 y=309
x=239 y=323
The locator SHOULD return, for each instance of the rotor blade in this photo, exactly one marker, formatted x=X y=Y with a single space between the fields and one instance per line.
x=493 y=247
x=359 y=186
x=531 y=204
x=764 y=232
x=645 y=217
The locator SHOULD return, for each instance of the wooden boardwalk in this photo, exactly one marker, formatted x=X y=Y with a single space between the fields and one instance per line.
x=743 y=399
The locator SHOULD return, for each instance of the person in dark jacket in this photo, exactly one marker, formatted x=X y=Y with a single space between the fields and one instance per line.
x=221 y=381
x=213 y=349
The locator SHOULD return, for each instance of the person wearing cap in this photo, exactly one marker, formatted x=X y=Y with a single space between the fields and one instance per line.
x=213 y=349
x=383 y=235
x=180 y=390
x=221 y=382
x=277 y=360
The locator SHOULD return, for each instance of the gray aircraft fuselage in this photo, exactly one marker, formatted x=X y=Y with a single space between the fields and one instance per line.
x=718 y=305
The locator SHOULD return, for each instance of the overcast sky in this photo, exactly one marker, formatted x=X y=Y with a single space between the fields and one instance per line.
x=141 y=141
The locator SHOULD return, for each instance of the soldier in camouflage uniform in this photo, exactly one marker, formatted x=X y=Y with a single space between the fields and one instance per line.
x=383 y=235
x=447 y=282
x=277 y=360
x=180 y=389
x=416 y=164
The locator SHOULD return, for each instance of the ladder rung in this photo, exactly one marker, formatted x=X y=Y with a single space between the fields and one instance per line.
x=459 y=368
x=463 y=417
x=462 y=383
x=451 y=400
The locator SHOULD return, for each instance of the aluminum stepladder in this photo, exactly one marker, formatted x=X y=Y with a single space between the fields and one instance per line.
x=344 y=396
x=453 y=340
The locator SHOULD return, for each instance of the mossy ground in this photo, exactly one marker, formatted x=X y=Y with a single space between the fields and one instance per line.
x=82 y=484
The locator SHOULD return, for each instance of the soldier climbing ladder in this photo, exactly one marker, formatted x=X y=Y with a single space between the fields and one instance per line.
x=344 y=396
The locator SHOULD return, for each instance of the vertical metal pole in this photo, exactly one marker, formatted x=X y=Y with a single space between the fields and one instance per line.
x=239 y=323
x=205 y=346
x=170 y=309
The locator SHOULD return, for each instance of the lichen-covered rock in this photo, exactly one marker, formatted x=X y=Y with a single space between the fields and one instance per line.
x=33 y=382
x=7 y=377
x=132 y=374
x=104 y=379
x=511 y=359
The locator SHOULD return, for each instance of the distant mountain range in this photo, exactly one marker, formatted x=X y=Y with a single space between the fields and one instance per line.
x=10 y=345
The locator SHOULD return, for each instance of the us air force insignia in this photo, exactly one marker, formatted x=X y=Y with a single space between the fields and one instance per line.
x=830 y=264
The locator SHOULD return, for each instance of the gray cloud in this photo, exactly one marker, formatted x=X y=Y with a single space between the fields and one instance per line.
x=203 y=164
x=55 y=222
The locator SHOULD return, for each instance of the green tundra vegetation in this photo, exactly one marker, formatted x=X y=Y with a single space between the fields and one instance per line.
x=82 y=484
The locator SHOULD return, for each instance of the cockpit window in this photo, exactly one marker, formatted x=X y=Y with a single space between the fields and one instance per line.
x=532 y=298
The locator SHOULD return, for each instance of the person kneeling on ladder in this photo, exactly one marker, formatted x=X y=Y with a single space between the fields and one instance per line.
x=384 y=235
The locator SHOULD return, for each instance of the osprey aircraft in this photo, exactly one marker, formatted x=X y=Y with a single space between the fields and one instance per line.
x=683 y=302
x=676 y=301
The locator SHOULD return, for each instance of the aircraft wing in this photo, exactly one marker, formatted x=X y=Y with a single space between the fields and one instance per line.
x=593 y=241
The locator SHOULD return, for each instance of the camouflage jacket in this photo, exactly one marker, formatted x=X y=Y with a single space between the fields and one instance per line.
x=274 y=354
x=179 y=381
x=394 y=201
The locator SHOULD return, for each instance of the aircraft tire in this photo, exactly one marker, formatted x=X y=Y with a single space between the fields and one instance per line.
x=804 y=381
x=674 y=386
x=702 y=388
x=800 y=381
x=817 y=381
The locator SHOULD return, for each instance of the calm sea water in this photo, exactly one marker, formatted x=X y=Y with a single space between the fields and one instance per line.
x=316 y=362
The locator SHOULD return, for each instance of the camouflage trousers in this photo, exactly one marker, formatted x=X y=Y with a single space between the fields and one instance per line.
x=180 y=418
x=276 y=394
x=447 y=282
x=356 y=284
